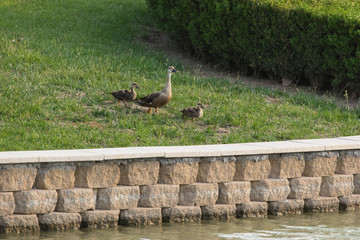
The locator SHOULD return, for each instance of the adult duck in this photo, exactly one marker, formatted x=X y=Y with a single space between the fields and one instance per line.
x=158 y=99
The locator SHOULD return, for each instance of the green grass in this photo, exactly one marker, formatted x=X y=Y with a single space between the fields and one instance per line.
x=55 y=84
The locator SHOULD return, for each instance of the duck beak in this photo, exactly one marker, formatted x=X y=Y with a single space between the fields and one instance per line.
x=138 y=87
x=174 y=71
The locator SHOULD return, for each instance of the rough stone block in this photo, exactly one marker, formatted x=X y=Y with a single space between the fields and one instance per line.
x=54 y=177
x=139 y=173
x=286 y=207
x=19 y=223
x=75 y=200
x=160 y=195
x=218 y=212
x=140 y=216
x=356 y=183
x=198 y=194
x=252 y=168
x=320 y=164
x=337 y=185
x=321 y=204
x=115 y=198
x=216 y=170
x=100 y=218
x=178 y=173
x=234 y=192
x=269 y=190
x=286 y=165
x=17 y=178
x=304 y=187
x=351 y=202
x=97 y=175
x=35 y=201
x=348 y=163
x=7 y=203
x=57 y=221
x=179 y=214
x=252 y=209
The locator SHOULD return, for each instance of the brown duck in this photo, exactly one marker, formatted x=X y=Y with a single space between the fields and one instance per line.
x=193 y=112
x=160 y=98
x=126 y=95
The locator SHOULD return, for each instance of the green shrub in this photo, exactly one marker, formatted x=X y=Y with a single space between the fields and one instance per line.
x=315 y=41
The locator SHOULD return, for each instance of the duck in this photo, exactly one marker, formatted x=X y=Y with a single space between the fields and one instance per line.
x=158 y=99
x=126 y=95
x=193 y=112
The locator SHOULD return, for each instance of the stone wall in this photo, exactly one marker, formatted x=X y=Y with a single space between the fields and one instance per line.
x=136 y=191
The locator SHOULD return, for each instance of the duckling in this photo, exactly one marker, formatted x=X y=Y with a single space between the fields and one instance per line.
x=160 y=98
x=126 y=95
x=193 y=112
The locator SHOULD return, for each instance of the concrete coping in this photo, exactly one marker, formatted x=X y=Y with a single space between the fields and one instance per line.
x=256 y=148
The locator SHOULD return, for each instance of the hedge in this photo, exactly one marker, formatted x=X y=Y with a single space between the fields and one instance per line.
x=313 y=41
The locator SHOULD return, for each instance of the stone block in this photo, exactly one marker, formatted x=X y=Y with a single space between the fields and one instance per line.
x=234 y=192
x=320 y=164
x=216 y=170
x=7 y=203
x=100 y=218
x=97 y=175
x=252 y=168
x=19 y=223
x=139 y=173
x=356 y=183
x=54 y=177
x=286 y=165
x=180 y=214
x=17 y=178
x=116 y=198
x=160 y=195
x=269 y=190
x=35 y=201
x=337 y=185
x=321 y=204
x=218 y=212
x=178 y=173
x=140 y=216
x=75 y=200
x=58 y=221
x=198 y=194
x=286 y=207
x=304 y=187
x=252 y=209
x=351 y=202
x=348 y=163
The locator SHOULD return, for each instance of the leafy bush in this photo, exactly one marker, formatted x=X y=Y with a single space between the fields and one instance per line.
x=315 y=41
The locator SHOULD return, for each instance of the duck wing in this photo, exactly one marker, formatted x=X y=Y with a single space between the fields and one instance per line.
x=122 y=95
x=149 y=100
x=190 y=111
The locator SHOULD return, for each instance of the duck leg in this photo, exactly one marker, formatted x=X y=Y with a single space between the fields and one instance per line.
x=149 y=110
x=125 y=104
x=156 y=110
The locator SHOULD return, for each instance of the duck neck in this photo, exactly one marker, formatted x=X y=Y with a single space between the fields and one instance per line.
x=167 y=87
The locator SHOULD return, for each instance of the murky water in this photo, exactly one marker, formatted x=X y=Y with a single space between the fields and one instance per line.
x=339 y=225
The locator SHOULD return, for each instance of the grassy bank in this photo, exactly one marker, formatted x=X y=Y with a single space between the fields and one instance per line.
x=60 y=59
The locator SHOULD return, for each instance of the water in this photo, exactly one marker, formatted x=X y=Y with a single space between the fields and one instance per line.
x=339 y=225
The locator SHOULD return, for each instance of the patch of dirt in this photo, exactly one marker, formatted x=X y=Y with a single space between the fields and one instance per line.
x=157 y=40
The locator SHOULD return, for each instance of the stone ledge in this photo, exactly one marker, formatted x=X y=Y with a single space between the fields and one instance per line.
x=218 y=212
x=57 y=221
x=252 y=209
x=292 y=146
